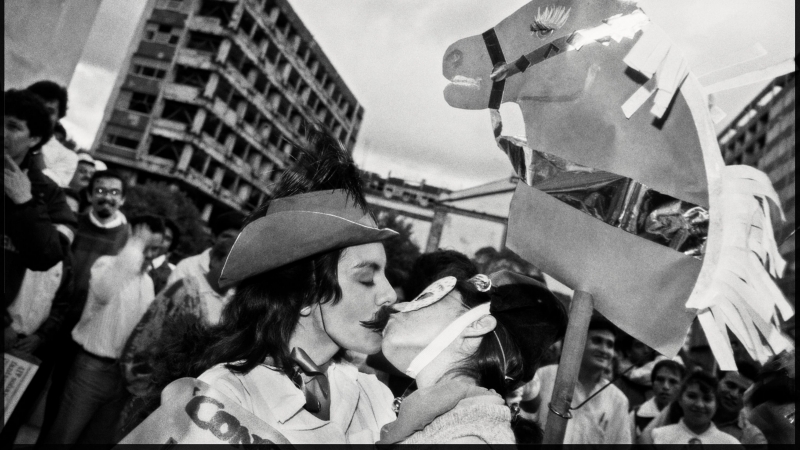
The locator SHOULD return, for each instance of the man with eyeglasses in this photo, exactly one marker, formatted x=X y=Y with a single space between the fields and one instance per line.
x=102 y=231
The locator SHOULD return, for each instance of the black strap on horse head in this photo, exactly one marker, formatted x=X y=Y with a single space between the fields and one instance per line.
x=498 y=60
x=501 y=70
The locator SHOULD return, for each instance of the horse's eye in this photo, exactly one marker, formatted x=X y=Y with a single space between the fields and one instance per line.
x=544 y=33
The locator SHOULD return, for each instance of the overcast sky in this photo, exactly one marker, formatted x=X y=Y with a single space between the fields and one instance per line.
x=389 y=53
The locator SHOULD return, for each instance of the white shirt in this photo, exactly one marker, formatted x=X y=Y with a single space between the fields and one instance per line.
x=194 y=266
x=197 y=267
x=648 y=409
x=679 y=433
x=212 y=301
x=360 y=404
x=119 y=295
x=160 y=261
x=603 y=420
x=60 y=162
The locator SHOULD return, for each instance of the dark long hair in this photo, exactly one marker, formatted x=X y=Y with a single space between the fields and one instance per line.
x=258 y=322
x=497 y=364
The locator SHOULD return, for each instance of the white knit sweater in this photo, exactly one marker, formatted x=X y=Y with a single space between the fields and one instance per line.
x=485 y=417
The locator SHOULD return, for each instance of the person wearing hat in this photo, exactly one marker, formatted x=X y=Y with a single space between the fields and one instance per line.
x=77 y=193
x=469 y=344
x=308 y=268
x=224 y=226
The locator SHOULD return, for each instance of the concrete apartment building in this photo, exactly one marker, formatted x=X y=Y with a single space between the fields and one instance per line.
x=212 y=94
x=763 y=136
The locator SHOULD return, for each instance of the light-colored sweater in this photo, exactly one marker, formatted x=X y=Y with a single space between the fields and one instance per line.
x=486 y=417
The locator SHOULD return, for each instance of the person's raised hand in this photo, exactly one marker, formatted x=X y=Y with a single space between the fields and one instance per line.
x=141 y=233
x=9 y=338
x=16 y=184
x=28 y=344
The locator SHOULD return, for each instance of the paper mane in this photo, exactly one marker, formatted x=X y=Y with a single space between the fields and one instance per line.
x=603 y=87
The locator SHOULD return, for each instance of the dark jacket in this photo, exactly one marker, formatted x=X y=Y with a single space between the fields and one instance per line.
x=31 y=239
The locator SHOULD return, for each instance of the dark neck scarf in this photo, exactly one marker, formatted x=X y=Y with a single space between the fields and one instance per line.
x=423 y=406
x=311 y=379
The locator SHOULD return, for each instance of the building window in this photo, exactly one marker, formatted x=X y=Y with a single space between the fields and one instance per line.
x=149 y=72
x=163 y=34
x=179 y=112
x=142 y=103
x=120 y=141
x=203 y=42
x=165 y=148
x=191 y=76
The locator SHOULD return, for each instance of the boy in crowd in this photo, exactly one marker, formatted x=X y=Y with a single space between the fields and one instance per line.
x=603 y=419
x=102 y=231
x=666 y=379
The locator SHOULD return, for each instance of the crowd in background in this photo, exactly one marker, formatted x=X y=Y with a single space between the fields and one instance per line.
x=94 y=296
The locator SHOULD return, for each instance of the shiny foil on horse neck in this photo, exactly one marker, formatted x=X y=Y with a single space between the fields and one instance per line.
x=616 y=200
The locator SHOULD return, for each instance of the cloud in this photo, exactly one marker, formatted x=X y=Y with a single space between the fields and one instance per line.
x=389 y=54
x=112 y=32
x=89 y=92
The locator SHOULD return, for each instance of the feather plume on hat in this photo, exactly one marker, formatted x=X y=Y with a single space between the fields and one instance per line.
x=318 y=206
x=321 y=164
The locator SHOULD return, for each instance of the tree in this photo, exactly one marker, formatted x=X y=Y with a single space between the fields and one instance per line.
x=401 y=251
x=162 y=199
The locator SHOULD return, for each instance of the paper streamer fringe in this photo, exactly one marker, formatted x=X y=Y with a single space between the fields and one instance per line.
x=655 y=57
x=743 y=296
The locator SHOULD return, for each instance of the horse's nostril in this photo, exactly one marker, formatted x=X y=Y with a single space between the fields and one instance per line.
x=454 y=58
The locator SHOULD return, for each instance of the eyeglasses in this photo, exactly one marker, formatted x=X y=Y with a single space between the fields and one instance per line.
x=103 y=191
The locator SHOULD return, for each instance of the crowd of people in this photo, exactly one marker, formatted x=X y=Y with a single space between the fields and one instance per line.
x=289 y=316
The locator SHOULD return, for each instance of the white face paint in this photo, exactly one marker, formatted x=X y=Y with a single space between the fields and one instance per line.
x=413 y=351
x=432 y=294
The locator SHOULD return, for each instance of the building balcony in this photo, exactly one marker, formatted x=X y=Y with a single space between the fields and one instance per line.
x=199 y=181
x=116 y=152
x=155 y=164
x=181 y=92
x=210 y=25
x=170 y=125
x=195 y=58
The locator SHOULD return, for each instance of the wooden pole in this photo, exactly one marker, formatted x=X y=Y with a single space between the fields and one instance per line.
x=580 y=312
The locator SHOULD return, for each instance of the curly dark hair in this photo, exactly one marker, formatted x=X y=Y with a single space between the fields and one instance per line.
x=48 y=91
x=435 y=265
x=25 y=106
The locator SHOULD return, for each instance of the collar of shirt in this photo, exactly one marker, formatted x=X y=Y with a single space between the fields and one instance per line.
x=158 y=261
x=204 y=289
x=706 y=433
x=119 y=219
x=648 y=409
x=286 y=401
x=583 y=391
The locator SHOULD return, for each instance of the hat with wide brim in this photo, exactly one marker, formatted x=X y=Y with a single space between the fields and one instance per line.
x=530 y=312
x=297 y=227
